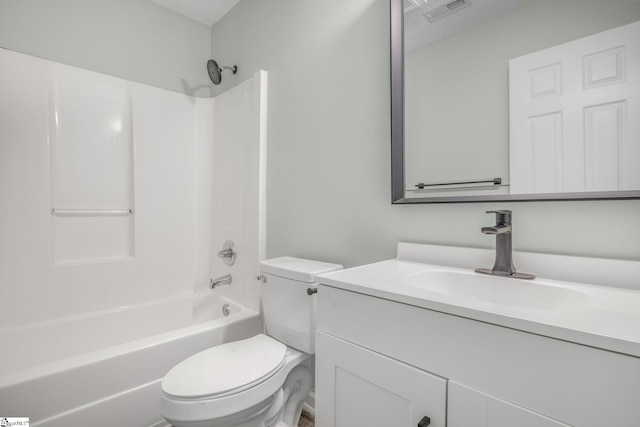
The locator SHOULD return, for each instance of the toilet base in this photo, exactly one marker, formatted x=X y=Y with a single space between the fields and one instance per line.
x=264 y=414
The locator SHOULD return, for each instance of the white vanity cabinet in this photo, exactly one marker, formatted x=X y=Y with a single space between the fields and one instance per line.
x=471 y=408
x=384 y=363
x=358 y=387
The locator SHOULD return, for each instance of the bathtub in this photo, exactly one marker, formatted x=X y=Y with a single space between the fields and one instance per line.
x=105 y=369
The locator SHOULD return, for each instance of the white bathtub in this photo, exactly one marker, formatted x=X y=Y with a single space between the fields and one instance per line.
x=105 y=369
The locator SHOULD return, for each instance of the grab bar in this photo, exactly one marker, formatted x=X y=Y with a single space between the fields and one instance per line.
x=91 y=212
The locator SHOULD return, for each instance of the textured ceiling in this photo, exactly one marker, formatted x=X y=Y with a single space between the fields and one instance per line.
x=206 y=11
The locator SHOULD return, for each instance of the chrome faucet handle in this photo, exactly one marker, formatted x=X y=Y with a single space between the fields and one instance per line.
x=228 y=253
x=502 y=216
x=225 y=253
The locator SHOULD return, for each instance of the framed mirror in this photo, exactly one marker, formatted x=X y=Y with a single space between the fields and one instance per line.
x=515 y=100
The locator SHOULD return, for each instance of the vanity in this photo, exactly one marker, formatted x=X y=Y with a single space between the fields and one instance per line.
x=422 y=340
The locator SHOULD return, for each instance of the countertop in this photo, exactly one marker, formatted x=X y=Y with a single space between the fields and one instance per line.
x=604 y=317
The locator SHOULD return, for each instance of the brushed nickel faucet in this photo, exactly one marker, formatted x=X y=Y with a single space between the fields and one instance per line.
x=503 y=265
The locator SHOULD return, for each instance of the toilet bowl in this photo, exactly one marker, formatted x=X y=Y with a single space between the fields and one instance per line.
x=262 y=381
x=249 y=375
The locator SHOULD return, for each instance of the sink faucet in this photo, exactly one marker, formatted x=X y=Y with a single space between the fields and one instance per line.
x=503 y=265
x=224 y=280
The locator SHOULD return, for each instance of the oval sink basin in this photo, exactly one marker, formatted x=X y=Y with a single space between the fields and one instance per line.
x=537 y=294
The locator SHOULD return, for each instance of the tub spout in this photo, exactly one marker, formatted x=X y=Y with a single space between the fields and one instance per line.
x=224 y=280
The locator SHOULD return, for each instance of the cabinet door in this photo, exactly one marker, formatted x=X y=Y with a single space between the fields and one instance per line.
x=358 y=387
x=471 y=408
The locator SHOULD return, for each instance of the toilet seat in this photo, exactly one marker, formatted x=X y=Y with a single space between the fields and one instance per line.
x=225 y=370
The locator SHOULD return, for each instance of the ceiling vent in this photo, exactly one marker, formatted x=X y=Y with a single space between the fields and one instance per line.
x=410 y=5
x=447 y=9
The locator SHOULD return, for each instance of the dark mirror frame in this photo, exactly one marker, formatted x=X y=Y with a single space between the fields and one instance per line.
x=397 y=138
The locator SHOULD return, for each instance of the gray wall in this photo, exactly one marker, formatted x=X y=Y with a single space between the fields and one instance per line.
x=135 y=40
x=328 y=165
x=329 y=173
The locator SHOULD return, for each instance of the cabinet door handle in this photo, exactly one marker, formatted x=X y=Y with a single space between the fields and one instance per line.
x=424 y=422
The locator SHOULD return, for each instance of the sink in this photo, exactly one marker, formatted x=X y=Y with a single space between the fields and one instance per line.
x=590 y=301
x=536 y=294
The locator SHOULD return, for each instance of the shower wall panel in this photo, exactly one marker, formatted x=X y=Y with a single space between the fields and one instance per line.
x=239 y=179
x=105 y=191
x=91 y=151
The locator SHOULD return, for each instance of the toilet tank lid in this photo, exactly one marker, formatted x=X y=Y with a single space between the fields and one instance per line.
x=303 y=270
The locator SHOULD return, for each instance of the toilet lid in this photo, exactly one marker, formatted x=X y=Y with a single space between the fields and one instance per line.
x=226 y=369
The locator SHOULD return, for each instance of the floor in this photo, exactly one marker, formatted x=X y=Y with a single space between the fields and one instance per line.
x=306 y=420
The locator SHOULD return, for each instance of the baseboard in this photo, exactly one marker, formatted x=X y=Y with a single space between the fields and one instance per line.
x=310 y=403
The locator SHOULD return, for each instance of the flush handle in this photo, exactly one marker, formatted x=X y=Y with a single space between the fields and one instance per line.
x=424 y=422
x=311 y=291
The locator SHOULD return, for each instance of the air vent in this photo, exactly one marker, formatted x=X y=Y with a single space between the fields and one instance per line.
x=447 y=9
x=409 y=5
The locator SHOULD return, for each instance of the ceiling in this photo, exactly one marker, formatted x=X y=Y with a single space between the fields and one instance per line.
x=419 y=31
x=206 y=11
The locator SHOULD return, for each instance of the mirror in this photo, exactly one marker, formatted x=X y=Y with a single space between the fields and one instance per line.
x=515 y=100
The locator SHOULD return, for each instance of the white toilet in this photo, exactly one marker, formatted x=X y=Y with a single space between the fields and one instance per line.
x=261 y=381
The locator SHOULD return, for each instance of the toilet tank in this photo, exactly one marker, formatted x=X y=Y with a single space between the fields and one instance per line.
x=289 y=311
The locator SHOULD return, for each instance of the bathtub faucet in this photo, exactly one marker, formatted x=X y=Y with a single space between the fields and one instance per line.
x=224 y=280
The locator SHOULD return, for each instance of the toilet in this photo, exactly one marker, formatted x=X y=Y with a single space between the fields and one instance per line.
x=262 y=381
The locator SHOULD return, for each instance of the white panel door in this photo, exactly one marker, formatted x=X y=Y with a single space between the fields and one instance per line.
x=471 y=408
x=574 y=112
x=358 y=387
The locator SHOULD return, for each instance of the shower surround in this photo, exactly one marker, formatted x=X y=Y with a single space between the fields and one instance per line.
x=116 y=194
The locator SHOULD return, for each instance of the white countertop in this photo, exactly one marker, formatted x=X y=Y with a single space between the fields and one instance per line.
x=601 y=316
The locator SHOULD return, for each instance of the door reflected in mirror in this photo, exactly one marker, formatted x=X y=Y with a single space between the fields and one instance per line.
x=517 y=100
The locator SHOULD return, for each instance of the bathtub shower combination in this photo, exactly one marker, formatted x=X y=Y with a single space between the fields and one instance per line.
x=108 y=364
x=105 y=266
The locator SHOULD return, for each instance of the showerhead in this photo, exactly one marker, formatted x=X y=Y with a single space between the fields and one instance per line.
x=215 y=72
